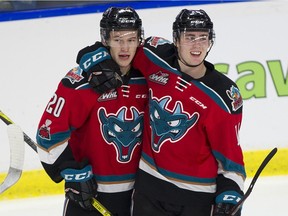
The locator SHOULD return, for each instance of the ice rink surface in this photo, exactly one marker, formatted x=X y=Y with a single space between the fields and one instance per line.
x=268 y=198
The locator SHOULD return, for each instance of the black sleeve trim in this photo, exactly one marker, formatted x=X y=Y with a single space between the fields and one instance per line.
x=225 y=184
x=53 y=170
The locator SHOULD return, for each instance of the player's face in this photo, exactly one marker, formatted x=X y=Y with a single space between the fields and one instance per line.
x=193 y=46
x=123 y=46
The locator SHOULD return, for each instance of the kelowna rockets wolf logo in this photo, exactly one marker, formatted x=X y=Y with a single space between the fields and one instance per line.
x=168 y=124
x=123 y=133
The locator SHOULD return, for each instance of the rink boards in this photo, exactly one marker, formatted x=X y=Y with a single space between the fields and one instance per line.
x=37 y=183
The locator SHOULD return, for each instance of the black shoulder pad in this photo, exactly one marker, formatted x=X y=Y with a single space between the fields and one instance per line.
x=87 y=50
x=74 y=78
x=160 y=46
x=225 y=87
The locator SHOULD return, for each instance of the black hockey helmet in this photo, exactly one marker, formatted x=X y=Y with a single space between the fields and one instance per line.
x=195 y=20
x=120 y=18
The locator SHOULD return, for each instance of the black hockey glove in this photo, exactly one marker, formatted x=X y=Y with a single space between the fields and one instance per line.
x=225 y=202
x=103 y=73
x=80 y=185
x=105 y=76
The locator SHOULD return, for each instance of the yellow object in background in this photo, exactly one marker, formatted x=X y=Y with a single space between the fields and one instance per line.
x=37 y=183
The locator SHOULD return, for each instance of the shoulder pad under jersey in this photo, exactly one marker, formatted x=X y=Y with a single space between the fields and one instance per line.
x=160 y=46
x=76 y=78
x=224 y=87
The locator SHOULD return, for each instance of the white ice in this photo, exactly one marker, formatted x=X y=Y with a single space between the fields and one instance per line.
x=268 y=198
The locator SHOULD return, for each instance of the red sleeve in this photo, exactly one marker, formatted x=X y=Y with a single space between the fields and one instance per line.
x=67 y=110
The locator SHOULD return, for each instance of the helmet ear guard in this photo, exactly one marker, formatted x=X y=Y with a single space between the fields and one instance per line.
x=192 y=20
x=120 y=18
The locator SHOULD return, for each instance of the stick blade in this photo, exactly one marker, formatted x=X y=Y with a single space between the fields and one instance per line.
x=12 y=178
x=17 y=152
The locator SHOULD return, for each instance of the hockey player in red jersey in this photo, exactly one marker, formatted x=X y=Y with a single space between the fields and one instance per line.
x=93 y=140
x=192 y=162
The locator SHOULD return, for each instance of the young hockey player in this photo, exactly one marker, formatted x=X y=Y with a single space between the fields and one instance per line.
x=92 y=140
x=192 y=157
x=192 y=161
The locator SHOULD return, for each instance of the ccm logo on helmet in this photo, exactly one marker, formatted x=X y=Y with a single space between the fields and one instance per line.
x=126 y=20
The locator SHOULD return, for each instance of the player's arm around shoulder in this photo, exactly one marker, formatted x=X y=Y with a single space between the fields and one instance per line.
x=102 y=71
x=154 y=50
x=159 y=46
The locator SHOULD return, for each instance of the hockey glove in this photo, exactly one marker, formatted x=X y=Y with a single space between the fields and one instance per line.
x=103 y=73
x=80 y=185
x=105 y=76
x=225 y=202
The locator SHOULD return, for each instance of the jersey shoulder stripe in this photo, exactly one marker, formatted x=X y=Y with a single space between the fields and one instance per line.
x=159 y=61
x=212 y=94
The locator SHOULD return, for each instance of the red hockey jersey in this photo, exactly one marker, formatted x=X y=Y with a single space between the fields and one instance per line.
x=193 y=124
x=106 y=129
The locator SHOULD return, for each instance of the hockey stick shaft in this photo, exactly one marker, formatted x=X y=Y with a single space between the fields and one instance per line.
x=97 y=205
x=235 y=209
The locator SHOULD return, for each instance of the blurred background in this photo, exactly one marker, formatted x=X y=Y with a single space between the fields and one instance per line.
x=39 y=41
x=36 y=4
